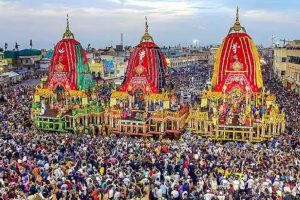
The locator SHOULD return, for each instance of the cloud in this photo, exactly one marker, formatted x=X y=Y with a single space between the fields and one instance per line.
x=176 y=8
x=285 y=17
x=171 y=21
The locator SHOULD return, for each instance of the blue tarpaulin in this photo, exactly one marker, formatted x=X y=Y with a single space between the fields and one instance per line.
x=108 y=66
x=22 y=71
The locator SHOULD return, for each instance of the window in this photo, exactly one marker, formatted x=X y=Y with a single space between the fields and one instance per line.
x=283 y=59
x=294 y=59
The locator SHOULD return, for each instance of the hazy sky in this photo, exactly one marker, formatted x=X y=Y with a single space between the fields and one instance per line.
x=100 y=22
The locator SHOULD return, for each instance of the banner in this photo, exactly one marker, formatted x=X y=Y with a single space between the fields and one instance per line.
x=108 y=66
x=203 y=103
x=84 y=101
x=166 y=105
x=37 y=98
x=113 y=102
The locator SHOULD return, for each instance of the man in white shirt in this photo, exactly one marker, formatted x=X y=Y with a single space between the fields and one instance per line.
x=242 y=185
x=221 y=196
x=250 y=184
x=200 y=185
x=209 y=195
x=159 y=192
x=236 y=185
x=225 y=183
x=174 y=194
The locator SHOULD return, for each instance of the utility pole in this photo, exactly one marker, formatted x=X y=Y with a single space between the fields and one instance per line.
x=122 y=44
x=273 y=38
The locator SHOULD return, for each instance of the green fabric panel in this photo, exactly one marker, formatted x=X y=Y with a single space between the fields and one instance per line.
x=85 y=80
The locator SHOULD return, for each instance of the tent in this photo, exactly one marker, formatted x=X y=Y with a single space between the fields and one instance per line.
x=13 y=76
x=21 y=71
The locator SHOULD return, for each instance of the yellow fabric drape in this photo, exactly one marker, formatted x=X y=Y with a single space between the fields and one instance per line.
x=217 y=57
x=257 y=66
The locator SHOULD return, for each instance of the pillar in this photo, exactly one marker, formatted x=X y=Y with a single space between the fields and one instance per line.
x=86 y=120
x=73 y=122
x=162 y=126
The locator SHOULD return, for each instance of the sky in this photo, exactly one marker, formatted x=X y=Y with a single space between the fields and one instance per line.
x=171 y=22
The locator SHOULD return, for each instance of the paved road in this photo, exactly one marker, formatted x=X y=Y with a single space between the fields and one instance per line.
x=29 y=83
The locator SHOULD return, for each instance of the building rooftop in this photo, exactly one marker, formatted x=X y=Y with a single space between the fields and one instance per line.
x=30 y=52
x=23 y=52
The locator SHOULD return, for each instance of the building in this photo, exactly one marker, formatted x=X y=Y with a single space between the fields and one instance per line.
x=3 y=68
x=109 y=67
x=28 y=59
x=286 y=64
x=3 y=63
x=110 y=62
x=293 y=66
x=172 y=52
x=11 y=58
x=96 y=66
x=280 y=62
x=190 y=57
x=46 y=60
x=113 y=66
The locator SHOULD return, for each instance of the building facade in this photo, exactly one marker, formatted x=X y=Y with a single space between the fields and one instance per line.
x=28 y=59
x=280 y=62
x=191 y=57
x=286 y=64
x=293 y=66
x=3 y=63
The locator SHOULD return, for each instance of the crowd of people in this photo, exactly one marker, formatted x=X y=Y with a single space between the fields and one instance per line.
x=64 y=166
x=40 y=165
x=15 y=104
x=288 y=100
x=195 y=80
